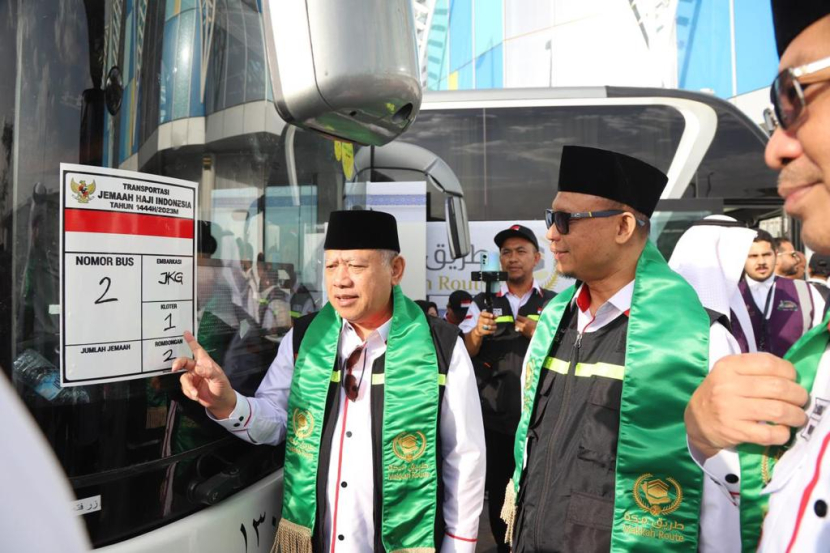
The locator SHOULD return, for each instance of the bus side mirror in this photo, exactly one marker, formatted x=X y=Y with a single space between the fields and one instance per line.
x=345 y=69
x=458 y=228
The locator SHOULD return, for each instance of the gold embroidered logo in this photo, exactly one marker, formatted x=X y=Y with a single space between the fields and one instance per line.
x=303 y=423
x=408 y=446
x=82 y=191
x=656 y=496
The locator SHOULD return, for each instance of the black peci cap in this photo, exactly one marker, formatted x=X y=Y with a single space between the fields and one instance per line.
x=790 y=17
x=611 y=175
x=516 y=231
x=362 y=230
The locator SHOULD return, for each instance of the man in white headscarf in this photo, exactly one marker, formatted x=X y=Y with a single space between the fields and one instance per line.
x=710 y=256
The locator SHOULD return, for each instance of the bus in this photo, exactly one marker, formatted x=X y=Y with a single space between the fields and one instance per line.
x=200 y=91
x=505 y=145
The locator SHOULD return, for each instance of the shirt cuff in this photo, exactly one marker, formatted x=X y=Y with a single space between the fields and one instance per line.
x=240 y=418
x=458 y=544
x=722 y=468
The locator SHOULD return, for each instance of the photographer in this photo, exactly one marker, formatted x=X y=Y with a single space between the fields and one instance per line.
x=497 y=342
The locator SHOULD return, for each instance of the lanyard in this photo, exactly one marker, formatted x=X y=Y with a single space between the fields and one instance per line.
x=764 y=339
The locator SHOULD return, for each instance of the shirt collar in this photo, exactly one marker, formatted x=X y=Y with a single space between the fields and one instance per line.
x=351 y=339
x=762 y=284
x=504 y=290
x=621 y=300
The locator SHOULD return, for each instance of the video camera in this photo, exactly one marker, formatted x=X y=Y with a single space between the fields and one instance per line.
x=491 y=274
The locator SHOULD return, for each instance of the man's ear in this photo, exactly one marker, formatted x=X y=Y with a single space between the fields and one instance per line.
x=398 y=268
x=626 y=228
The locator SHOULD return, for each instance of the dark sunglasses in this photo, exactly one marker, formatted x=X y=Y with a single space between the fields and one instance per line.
x=787 y=93
x=562 y=219
x=350 y=383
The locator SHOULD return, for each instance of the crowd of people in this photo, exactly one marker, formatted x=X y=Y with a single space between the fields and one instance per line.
x=652 y=406
x=655 y=405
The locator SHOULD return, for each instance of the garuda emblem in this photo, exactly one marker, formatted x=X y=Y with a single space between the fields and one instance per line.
x=82 y=191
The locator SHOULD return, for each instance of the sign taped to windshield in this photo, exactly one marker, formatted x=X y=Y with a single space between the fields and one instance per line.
x=128 y=273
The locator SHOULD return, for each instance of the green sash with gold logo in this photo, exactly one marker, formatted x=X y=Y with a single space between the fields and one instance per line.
x=410 y=425
x=658 y=485
x=757 y=461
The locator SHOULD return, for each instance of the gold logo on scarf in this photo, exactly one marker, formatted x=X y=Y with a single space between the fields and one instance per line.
x=303 y=423
x=656 y=496
x=408 y=446
x=528 y=391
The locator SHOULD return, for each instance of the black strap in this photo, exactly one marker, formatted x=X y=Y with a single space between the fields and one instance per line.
x=764 y=339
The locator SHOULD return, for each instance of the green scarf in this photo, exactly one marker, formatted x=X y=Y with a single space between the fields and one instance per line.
x=658 y=484
x=757 y=461
x=410 y=423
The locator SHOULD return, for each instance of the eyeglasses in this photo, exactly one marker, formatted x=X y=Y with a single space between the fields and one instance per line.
x=562 y=219
x=787 y=93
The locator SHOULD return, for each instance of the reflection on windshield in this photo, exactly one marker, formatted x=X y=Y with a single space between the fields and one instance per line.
x=167 y=88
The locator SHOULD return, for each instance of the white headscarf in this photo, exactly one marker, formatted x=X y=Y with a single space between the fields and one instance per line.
x=712 y=259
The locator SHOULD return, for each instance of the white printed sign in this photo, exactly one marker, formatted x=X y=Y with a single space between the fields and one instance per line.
x=128 y=273
x=445 y=275
x=86 y=505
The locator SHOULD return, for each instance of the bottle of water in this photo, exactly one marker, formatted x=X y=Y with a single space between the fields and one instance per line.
x=41 y=377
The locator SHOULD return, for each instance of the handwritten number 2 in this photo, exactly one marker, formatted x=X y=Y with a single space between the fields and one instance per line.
x=107 y=289
x=168 y=355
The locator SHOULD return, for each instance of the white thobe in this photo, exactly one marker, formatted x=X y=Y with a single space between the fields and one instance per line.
x=349 y=524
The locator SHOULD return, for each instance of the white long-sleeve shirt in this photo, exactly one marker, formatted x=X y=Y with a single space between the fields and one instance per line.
x=349 y=524
x=799 y=493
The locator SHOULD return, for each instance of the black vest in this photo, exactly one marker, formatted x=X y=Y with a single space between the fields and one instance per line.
x=444 y=337
x=498 y=365
x=567 y=501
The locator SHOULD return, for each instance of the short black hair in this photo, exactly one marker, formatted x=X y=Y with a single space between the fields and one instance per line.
x=764 y=236
x=777 y=243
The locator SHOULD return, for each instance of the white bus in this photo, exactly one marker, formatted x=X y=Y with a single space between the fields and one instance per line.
x=504 y=146
x=183 y=89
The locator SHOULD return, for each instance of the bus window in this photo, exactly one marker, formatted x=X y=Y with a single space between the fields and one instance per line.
x=497 y=151
x=187 y=100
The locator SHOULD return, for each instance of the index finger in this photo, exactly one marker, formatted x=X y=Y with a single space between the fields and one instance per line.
x=195 y=347
x=759 y=364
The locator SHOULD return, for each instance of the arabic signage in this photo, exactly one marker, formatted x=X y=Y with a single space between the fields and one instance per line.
x=128 y=273
x=445 y=275
x=86 y=505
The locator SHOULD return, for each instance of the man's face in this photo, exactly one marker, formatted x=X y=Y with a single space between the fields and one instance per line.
x=588 y=249
x=786 y=260
x=518 y=257
x=802 y=153
x=359 y=284
x=760 y=262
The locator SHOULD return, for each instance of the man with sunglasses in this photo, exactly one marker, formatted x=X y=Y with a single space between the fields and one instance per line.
x=759 y=402
x=376 y=403
x=601 y=458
